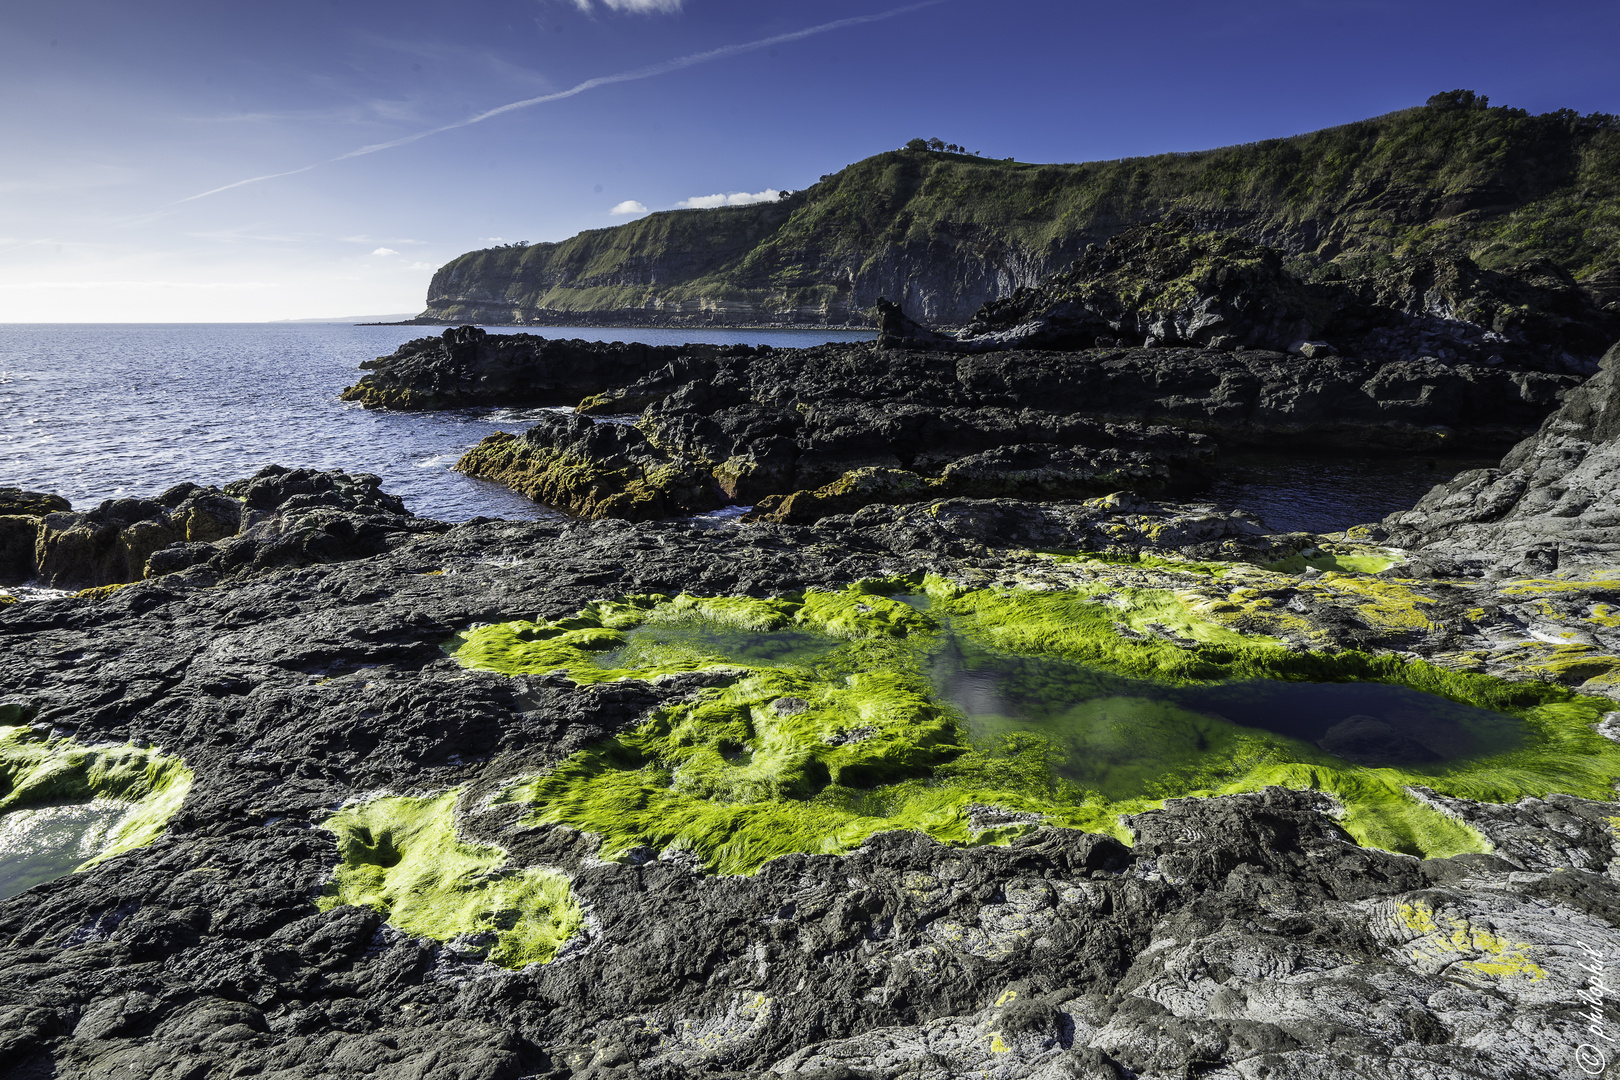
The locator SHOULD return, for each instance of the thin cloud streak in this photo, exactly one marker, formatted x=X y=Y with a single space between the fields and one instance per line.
x=251 y=180
x=651 y=71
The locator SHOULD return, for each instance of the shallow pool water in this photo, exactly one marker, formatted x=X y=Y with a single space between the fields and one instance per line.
x=654 y=643
x=1120 y=736
x=1115 y=734
x=44 y=843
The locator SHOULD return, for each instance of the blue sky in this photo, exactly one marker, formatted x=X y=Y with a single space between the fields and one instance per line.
x=120 y=115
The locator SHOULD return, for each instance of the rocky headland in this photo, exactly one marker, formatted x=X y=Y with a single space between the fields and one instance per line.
x=942 y=233
x=823 y=430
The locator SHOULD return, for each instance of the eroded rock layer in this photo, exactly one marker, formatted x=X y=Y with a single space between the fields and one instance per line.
x=1551 y=502
x=1171 y=284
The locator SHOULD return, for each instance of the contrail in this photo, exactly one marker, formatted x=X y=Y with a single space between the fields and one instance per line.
x=649 y=72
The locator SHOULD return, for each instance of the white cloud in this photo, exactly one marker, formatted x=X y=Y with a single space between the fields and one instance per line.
x=736 y=198
x=421 y=266
x=385 y=251
x=629 y=206
x=637 y=6
x=491 y=241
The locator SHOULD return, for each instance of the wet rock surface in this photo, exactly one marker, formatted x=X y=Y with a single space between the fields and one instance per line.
x=1550 y=504
x=1240 y=936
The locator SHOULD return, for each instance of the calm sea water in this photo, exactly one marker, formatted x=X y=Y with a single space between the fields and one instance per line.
x=96 y=412
x=1298 y=492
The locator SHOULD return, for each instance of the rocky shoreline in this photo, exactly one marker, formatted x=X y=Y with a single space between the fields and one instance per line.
x=453 y=808
x=1246 y=932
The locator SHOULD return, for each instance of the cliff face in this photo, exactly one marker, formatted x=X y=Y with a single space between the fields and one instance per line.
x=943 y=233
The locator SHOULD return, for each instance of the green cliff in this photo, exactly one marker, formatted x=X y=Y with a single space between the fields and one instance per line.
x=944 y=232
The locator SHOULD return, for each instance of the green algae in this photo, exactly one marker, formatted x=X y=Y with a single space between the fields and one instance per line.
x=815 y=746
x=1146 y=562
x=1337 y=562
x=38 y=771
x=401 y=857
x=598 y=644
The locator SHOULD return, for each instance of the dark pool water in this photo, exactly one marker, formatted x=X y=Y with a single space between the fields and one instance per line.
x=1114 y=734
x=1119 y=735
x=1299 y=492
x=42 y=844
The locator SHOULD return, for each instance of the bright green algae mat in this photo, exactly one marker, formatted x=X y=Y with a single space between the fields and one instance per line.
x=65 y=806
x=833 y=728
x=401 y=856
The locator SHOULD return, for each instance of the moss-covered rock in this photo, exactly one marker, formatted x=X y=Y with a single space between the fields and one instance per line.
x=594 y=471
x=403 y=858
x=40 y=770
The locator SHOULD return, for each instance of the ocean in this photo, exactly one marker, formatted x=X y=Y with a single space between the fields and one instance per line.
x=102 y=411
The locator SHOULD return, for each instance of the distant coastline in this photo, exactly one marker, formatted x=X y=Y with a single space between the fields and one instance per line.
x=586 y=320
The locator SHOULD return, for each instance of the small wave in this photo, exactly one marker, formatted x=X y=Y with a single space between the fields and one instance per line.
x=726 y=515
x=28 y=593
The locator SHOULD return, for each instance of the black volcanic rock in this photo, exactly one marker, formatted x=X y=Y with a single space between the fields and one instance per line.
x=19 y=503
x=781 y=423
x=1553 y=502
x=1242 y=933
x=20 y=512
x=277 y=517
x=466 y=366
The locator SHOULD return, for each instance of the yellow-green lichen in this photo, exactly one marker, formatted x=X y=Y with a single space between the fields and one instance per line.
x=1457 y=946
x=401 y=857
x=100 y=592
x=1366 y=561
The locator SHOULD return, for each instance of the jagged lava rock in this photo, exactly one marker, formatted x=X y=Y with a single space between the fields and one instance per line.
x=20 y=512
x=1244 y=933
x=782 y=423
x=466 y=366
x=1553 y=502
x=279 y=516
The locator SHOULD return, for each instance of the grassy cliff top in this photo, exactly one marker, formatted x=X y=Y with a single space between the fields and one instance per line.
x=1497 y=184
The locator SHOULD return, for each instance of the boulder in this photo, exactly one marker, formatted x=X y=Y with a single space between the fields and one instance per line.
x=277 y=517
x=15 y=501
x=21 y=514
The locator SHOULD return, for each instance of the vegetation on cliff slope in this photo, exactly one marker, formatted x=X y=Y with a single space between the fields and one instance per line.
x=952 y=230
